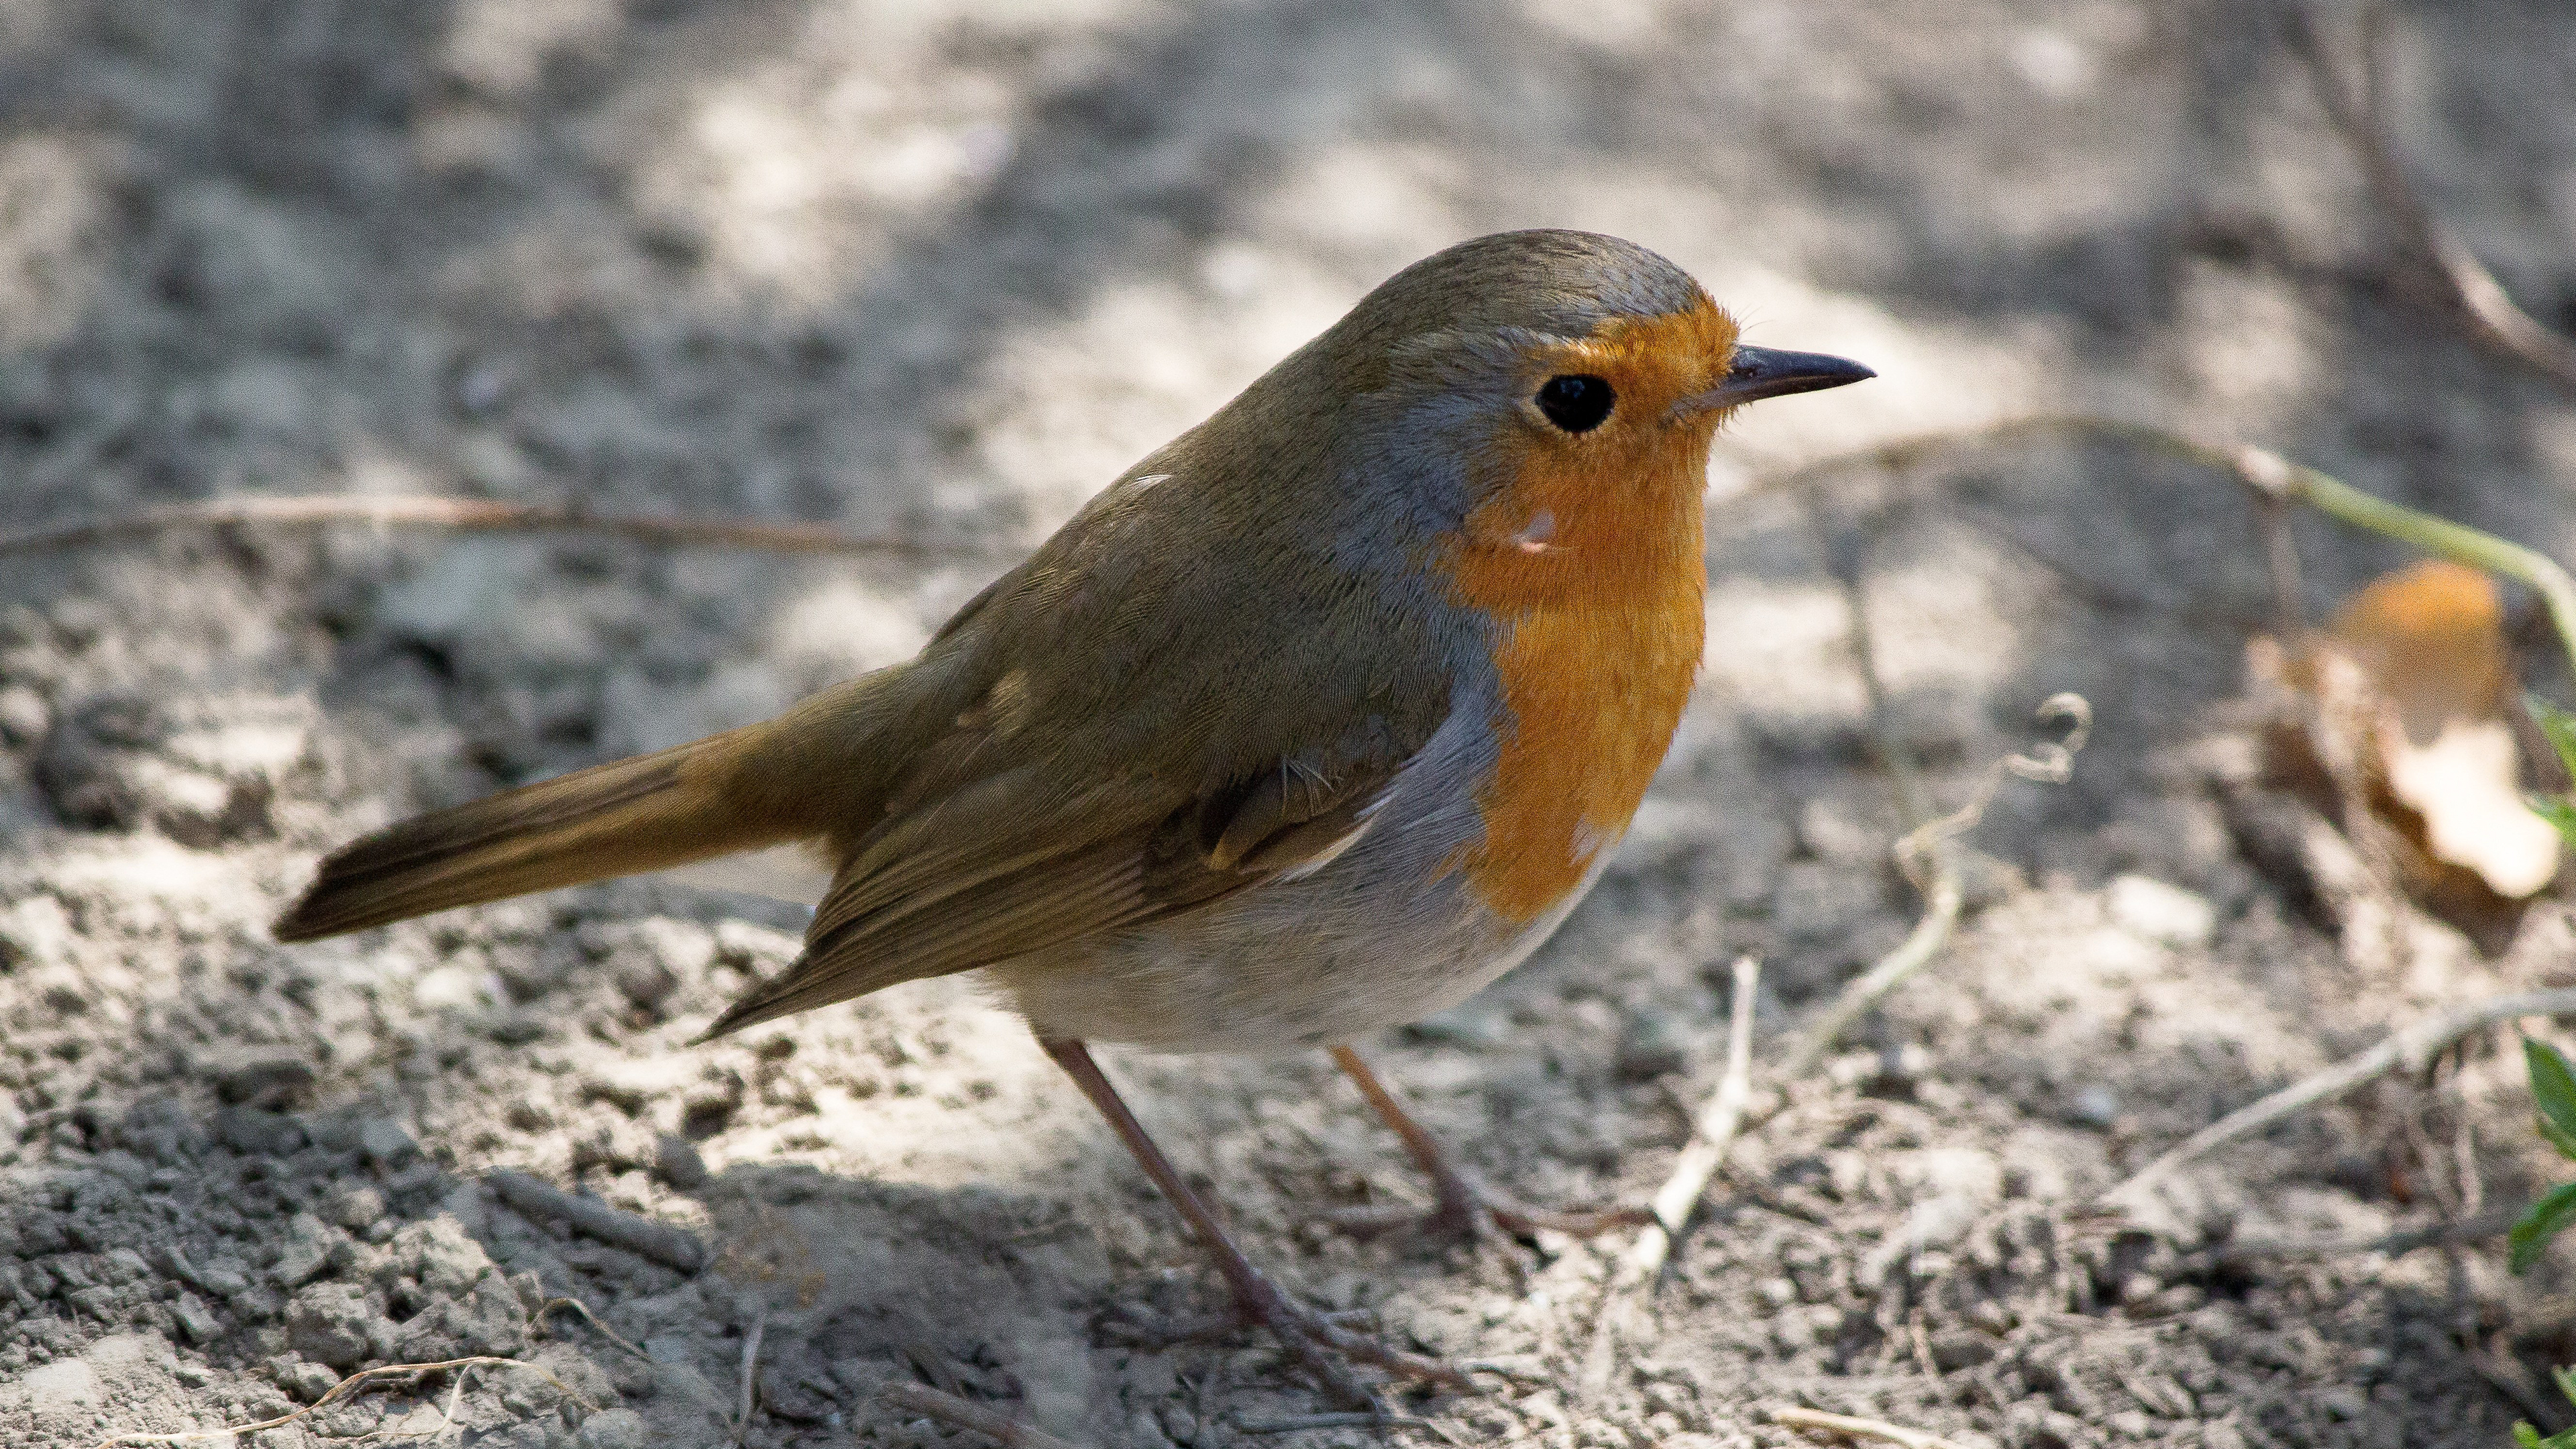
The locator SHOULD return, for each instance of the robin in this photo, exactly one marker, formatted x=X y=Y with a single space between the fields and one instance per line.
x=1316 y=721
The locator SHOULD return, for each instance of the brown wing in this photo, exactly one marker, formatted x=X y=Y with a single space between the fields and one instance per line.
x=1006 y=867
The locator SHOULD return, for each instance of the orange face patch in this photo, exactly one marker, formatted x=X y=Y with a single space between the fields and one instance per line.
x=1591 y=559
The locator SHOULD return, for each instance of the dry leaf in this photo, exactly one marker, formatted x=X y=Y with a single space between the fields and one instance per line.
x=2405 y=716
x=2431 y=642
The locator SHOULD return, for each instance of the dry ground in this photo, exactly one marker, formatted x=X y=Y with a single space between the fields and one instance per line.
x=939 y=271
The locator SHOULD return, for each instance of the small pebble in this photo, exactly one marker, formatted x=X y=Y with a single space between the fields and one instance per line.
x=332 y=1323
x=262 y=1075
x=355 y=1206
x=676 y=1161
x=197 y=1323
x=612 y=1429
x=258 y=1134
x=24 y=717
x=2096 y=1105
x=308 y=1382
x=306 y=1254
x=646 y=983
x=1961 y=1348
x=2166 y=914
x=385 y=1142
x=1653 y=1044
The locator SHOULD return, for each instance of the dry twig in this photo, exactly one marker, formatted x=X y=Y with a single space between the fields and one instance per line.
x=479 y=515
x=672 y=1247
x=537 y=1321
x=349 y=1386
x=1929 y=850
x=2396 y=1244
x=950 y=1409
x=1346 y=1419
x=750 y=1377
x=1850 y=1427
x=2360 y=116
x=455 y=1402
x=2411 y=1049
x=1710 y=1142
x=1712 y=1137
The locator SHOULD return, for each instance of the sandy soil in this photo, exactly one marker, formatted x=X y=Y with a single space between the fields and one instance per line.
x=938 y=271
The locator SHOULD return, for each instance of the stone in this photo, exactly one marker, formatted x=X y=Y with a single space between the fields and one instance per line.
x=37 y=932
x=2094 y=1105
x=354 y=1206
x=335 y=1324
x=24 y=716
x=261 y=1074
x=646 y=984
x=2156 y=911
x=308 y=1382
x=258 y=1134
x=1961 y=1348
x=384 y=1142
x=1474 y=1025
x=1653 y=1043
x=676 y=1161
x=440 y=1255
x=612 y=1429
x=197 y=1323
x=307 y=1253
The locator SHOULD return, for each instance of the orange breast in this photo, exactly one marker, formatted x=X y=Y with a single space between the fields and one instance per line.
x=1592 y=698
x=1591 y=562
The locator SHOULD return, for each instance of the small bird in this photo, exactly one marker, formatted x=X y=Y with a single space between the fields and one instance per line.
x=1316 y=721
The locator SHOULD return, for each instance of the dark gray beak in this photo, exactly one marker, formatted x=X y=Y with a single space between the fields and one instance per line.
x=1761 y=372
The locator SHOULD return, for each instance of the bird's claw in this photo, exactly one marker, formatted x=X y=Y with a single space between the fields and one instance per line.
x=1324 y=1348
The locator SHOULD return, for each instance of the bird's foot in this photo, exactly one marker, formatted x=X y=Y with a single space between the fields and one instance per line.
x=1321 y=1343
x=1326 y=1349
x=1468 y=1211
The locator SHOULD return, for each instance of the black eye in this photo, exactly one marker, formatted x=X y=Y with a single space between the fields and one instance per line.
x=1576 y=403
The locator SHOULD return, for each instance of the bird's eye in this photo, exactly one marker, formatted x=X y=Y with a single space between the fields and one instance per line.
x=1576 y=402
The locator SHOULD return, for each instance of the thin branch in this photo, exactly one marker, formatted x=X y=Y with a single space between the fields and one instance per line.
x=750 y=1377
x=2412 y=1049
x=2396 y=1244
x=950 y=1409
x=455 y=1402
x=1929 y=848
x=1345 y=1419
x=537 y=1321
x=345 y=1388
x=1943 y=902
x=1850 y=1427
x=2361 y=118
x=673 y=1247
x=476 y=515
x=1713 y=1135
x=2271 y=474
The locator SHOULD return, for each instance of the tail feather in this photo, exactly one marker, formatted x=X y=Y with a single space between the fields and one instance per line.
x=648 y=813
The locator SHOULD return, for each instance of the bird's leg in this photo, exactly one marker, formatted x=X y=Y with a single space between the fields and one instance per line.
x=1307 y=1334
x=1467 y=1209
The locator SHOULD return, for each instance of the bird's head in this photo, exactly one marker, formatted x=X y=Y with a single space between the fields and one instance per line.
x=1554 y=393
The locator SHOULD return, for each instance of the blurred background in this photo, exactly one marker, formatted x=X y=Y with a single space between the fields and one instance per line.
x=935 y=273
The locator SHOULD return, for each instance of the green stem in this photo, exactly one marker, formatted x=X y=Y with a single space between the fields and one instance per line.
x=2457 y=542
x=2267 y=473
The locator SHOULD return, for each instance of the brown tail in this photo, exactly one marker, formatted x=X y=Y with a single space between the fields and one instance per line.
x=648 y=813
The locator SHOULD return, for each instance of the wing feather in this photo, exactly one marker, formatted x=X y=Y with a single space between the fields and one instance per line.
x=1011 y=882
